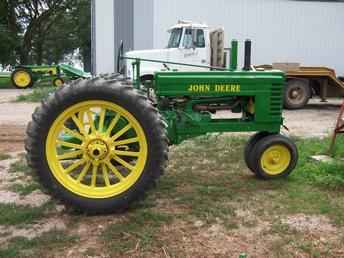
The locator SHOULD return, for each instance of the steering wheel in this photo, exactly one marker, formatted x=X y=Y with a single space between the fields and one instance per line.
x=120 y=54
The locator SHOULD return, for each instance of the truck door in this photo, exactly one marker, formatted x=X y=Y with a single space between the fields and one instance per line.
x=193 y=48
x=199 y=44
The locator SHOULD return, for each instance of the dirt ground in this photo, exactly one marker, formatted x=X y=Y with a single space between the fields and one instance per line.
x=317 y=120
x=14 y=118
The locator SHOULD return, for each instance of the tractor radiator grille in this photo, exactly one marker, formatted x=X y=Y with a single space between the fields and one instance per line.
x=276 y=101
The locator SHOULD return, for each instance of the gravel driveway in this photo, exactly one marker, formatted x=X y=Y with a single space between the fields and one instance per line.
x=316 y=120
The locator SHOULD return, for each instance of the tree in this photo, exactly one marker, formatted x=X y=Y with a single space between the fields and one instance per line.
x=44 y=31
x=9 y=30
x=83 y=31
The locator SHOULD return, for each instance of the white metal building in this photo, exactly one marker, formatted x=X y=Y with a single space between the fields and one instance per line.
x=305 y=31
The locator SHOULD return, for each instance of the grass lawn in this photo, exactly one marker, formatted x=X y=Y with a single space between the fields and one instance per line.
x=37 y=95
x=209 y=205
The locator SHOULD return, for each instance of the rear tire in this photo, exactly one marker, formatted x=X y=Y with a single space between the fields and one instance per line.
x=274 y=156
x=22 y=78
x=297 y=94
x=144 y=154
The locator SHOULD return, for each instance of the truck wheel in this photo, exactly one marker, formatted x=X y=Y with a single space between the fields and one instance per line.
x=274 y=156
x=249 y=147
x=58 y=82
x=22 y=78
x=297 y=94
x=97 y=145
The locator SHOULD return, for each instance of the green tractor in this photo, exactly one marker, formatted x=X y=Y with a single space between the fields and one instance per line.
x=99 y=144
x=25 y=76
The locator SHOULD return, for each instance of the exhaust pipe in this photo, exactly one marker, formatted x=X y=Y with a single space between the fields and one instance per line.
x=248 y=54
x=234 y=56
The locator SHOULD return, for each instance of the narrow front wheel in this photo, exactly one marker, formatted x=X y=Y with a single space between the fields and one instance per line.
x=274 y=156
x=249 y=148
x=58 y=82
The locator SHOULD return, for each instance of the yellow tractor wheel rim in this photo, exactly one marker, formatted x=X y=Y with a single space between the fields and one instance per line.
x=22 y=79
x=58 y=82
x=275 y=160
x=108 y=154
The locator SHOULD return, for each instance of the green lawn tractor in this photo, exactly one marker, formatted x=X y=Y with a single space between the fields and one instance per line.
x=100 y=144
x=25 y=76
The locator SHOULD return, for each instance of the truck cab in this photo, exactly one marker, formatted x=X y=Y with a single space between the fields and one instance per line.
x=189 y=43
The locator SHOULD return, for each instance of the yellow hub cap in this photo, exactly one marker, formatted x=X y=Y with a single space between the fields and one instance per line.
x=58 y=83
x=22 y=79
x=96 y=149
x=275 y=160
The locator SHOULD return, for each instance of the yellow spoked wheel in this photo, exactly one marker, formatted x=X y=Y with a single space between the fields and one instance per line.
x=103 y=147
x=58 y=82
x=106 y=158
x=21 y=79
x=274 y=156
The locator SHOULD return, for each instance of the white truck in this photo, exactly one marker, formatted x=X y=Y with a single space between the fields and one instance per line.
x=189 y=43
x=199 y=45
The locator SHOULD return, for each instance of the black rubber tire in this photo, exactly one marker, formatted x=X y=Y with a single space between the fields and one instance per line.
x=302 y=89
x=22 y=70
x=118 y=91
x=56 y=80
x=263 y=145
x=249 y=147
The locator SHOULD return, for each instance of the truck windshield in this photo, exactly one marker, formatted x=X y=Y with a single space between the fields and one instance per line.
x=176 y=35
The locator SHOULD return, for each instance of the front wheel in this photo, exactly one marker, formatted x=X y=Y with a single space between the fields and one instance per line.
x=97 y=145
x=58 y=82
x=274 y=156
x=249 y=148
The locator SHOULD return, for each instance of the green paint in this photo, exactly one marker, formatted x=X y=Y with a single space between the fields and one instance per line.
x=265 y=88
x=182 y=96
x=234 y=56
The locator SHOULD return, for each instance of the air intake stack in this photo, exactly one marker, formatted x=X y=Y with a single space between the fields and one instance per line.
x=248 y=53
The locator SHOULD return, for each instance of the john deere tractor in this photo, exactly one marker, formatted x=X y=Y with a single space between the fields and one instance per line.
x=99 y=144
x=25 y=76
